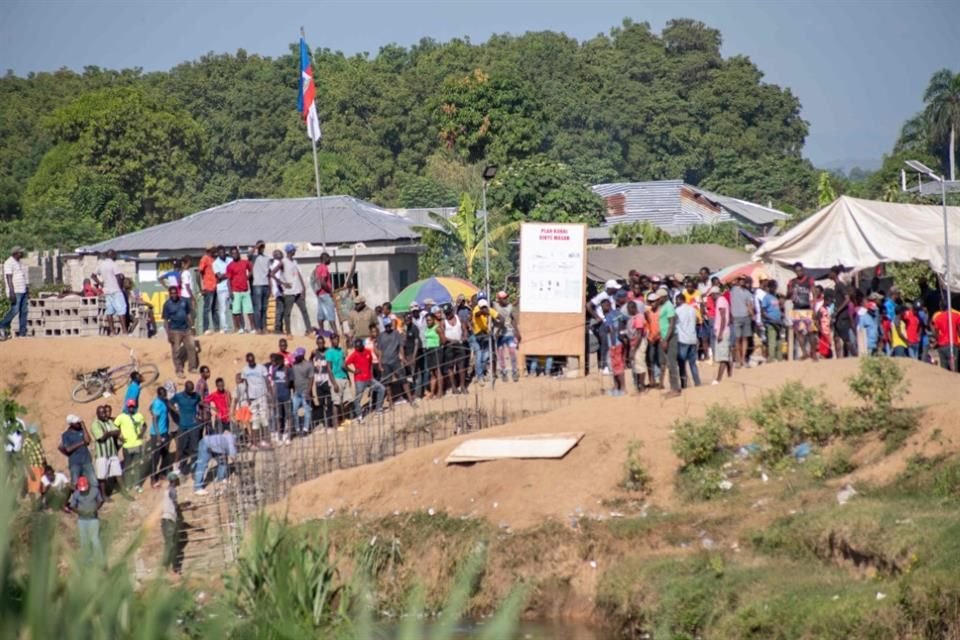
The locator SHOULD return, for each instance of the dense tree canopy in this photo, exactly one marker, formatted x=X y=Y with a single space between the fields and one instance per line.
x=409 y=126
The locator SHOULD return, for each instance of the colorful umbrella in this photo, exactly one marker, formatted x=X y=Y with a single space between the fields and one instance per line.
x=440 y=290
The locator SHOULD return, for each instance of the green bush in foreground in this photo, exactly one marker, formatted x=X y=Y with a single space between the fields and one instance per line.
x=879 y=383
x=790 y=415
x=696 y=442
x=636 y=477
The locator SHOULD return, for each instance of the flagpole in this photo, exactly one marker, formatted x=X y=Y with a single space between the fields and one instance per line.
x=316 y=167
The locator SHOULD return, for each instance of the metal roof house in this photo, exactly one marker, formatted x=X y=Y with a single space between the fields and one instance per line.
x=675 y=206
x=386 y=243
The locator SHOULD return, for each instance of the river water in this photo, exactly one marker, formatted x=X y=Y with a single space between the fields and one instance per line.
x=533 y=631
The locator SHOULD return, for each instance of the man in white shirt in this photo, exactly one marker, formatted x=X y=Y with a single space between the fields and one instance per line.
x=687 y=340
x=15 y=285
x=220 y=264
x=593 y=308
x=294 y=290
x=106 y=278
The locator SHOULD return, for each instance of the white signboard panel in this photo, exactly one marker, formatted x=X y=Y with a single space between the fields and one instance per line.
x=552 y=266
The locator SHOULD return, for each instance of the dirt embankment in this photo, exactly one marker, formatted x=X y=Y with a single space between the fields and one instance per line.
x=523 y=493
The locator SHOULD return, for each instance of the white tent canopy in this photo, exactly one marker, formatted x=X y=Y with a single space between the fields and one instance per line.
x=864 y=233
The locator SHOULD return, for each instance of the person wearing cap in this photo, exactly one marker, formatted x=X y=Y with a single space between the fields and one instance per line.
x=484 y=321
x=390 y=350
x=323 y=286
x=868 y=318
x=652 y=323
x=15 y=286
x=86 y=502
x=238 y=280
x=294 y=291
x=721 y=332
x=73 y=444
x=218 y=446
x=669 y=343
x=509 y=335
x=260 y=289
x=593 y=310
x=132 y=427
x=106 y=277
x=360 y=319
x=208 y=287
x=800 y=292
x=176 y=315
x=34 y=460
x=302 y=374
x=106 y=462
x=360 y=364
x=171 y=517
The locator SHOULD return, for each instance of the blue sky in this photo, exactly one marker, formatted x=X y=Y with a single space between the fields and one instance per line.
x=858 y=67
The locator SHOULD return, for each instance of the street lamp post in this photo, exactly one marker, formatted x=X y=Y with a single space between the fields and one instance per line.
x=923 y=169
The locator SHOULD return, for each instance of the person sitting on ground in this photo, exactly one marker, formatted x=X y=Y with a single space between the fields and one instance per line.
x=86 y=502
x=222 y=447
x=106 y=436
x=54 y=488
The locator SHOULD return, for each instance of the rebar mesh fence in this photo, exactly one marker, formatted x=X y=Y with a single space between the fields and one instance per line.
x=269 y=465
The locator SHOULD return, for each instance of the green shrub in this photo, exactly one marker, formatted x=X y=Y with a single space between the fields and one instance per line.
x=879 y=383
x=696 y=442
x=698 y=482
x=791 y=415
x=636 y=476
x=838 y=463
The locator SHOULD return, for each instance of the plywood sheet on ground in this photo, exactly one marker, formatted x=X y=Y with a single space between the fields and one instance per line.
x=543 y=445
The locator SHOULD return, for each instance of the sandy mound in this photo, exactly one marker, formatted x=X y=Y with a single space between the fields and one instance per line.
x=521 y=493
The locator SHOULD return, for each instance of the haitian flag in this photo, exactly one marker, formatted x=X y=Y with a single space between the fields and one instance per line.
x=306 y=101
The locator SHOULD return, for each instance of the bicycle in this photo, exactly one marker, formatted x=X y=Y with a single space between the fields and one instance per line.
x=95 y=384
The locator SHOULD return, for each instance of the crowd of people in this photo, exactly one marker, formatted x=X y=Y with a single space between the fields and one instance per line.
x=660 y=327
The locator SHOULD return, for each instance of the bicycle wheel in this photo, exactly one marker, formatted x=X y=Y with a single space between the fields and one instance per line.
x=88 y=390
x=149 y=374
x=120 y=377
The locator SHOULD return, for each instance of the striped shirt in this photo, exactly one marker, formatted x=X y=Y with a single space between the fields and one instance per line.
x=107 y=448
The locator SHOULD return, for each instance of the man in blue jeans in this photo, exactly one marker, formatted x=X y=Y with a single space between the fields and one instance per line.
x=687 y=340
x=86 y=502
x=261 y=286
x=15 y=284
x=73 y=444
x=302 y=373
x=221 y=446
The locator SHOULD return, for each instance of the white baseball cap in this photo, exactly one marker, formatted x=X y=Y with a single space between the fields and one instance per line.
x=612 y=284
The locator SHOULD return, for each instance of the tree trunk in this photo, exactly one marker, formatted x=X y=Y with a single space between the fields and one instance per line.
x=953 y=151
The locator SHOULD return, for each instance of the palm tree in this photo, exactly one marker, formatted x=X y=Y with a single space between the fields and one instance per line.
x=465 y=229
x=942 y=112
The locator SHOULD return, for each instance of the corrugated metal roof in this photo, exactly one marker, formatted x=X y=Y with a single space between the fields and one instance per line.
x=675 y=206
x=755 y=213
x=242 y=222
x=421 y=215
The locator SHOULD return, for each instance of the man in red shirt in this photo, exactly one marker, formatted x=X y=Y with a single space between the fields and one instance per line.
x=912 y=322
x=944 y=323
x=219 y=403
x=360 y=364
x=323 y=285
x=238 y=275
x=208 y=284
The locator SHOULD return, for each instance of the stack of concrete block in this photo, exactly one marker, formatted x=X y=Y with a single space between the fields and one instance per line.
x=67 y=316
